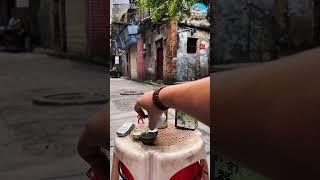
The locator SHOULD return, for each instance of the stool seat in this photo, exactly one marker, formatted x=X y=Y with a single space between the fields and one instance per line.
x=174 y=150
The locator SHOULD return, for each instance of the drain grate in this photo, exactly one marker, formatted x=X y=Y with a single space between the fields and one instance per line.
x=71 y=99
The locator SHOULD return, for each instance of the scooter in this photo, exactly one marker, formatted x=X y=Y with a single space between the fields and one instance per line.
x=115 y=73
x=14 y=37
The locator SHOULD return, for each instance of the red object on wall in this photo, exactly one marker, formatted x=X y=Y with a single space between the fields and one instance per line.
x=140 y=58
x=98 y=28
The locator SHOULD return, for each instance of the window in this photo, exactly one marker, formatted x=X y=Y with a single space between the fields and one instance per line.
x=192 y=45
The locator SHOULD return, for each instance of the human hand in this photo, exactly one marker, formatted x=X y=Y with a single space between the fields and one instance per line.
x=99 y=170
x=145 y=102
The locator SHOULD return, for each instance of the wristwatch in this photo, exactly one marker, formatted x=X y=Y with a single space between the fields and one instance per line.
x=156 y=101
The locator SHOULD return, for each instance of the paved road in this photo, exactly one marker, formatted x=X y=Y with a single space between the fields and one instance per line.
x=121 y=109
x=39 y=142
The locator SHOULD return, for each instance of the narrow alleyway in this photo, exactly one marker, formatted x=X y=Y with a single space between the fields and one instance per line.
x=121 y=109
x=39 y=142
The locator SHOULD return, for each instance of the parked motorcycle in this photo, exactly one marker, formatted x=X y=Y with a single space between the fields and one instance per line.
x=14 y=37
x=115 y=73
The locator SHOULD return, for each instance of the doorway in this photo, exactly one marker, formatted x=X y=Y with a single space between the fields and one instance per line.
x=159 y=63
x=58 y=25
x=128 y=64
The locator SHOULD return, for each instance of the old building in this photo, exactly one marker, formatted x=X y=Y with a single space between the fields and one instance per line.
x=127 y=41
x=125 y=35
x=118 y=10
x=144 y=47
x=192 y=61
x=118 y=56
x=80 y=27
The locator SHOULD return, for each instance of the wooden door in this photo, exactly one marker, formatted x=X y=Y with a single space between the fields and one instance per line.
x=160 y=63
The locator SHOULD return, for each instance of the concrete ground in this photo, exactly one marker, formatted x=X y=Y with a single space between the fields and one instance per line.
x=121 y=109
x=39 y=142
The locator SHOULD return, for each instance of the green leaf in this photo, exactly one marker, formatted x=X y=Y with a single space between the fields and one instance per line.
x=163 y=10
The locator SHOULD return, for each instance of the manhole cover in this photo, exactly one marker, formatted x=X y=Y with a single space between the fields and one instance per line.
x=131 y=92
x=124 y=104
x=71 y=99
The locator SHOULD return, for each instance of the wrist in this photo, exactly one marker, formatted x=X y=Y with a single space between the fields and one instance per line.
x=164 y=96
x=156 y=99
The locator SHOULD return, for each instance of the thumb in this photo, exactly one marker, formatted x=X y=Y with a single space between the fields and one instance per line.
x=152 y=121
x=139 y=110
x=153 y=118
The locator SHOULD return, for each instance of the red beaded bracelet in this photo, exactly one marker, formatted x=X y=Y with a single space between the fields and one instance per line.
x=156 y=101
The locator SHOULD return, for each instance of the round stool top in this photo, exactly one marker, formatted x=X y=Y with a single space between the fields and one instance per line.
x=173 y=150
x=171 y=136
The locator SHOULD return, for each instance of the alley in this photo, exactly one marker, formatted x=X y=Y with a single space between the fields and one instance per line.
x=121 y=108
x=39 y=142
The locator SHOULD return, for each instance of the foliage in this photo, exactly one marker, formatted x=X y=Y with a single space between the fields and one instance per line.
x=116 y=18
x=164 y=10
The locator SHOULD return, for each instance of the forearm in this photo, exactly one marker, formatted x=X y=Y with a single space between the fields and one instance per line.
x=192 y=98
x=267 y=116
x=94 y=136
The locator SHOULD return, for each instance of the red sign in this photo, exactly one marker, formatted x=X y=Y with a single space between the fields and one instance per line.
x=202 y=46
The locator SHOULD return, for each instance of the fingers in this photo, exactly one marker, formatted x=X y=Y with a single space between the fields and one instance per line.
x=138 y=109
x=152 y=122
x=145 y=103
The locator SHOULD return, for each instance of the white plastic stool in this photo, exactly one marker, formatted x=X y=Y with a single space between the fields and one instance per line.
x=174 y=150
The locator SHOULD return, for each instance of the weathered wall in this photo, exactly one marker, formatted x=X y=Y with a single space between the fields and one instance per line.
x=124 y=65
x=212 y=32
x=231 y=27
x=118 y=10
x=269 y=29
x=300 y=14
x=192 y=66
x=133 y=62
x=188 y=66
x=149 y=60
x=150 y=57
x=76 y=26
